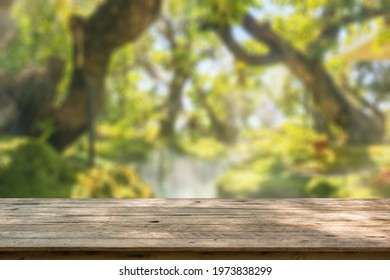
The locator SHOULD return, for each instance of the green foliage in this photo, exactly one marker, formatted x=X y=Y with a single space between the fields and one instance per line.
x=274 y=164
x=297 y=29
x=359 y=184
x=238 y=183
x=305 y=20
x=381 y=182
x=379 y=154
x=118 y=182
x=284 y=164
x=30 y=168
x=323 y=187
x=124 y=150
x=265 y=177
x=121 y=143
x=218 y=11
x=280 y=180
x=348 y=157
x=39 y=22
x=205 y=148
x=383 y=38
x=297 y=144
x=292 y=142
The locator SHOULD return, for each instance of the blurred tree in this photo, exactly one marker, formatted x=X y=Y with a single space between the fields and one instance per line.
x=187 y=66
x=298 y=34
x=301 y=39
x=94 y=39
x=179 y=65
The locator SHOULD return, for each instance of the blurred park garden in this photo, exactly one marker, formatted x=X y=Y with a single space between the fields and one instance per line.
x=196 y=98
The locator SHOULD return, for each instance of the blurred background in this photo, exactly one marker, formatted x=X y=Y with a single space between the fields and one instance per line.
x=192 y=99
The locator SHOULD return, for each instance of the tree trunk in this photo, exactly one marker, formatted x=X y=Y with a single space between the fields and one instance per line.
x=223 y=129
x=360 y=124
x=174 y=104
x=360 y=127
x=115 y=23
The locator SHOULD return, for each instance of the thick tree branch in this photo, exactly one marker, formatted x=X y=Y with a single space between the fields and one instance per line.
x=328 y=36
x=291 y=57
x=118 y=22
x=335 y=107
x=241 y=54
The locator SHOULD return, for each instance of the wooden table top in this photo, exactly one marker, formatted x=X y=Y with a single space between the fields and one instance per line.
x=207 y=226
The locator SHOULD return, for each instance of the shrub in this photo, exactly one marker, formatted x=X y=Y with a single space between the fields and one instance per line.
x=31 y=168
x=122 y=182
x=323 y=187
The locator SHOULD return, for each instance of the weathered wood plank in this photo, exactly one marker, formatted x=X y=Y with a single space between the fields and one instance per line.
x=195 y=228
x=328 y=204
x=188 y=255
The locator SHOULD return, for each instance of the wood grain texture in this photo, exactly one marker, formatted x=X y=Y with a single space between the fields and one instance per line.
x=194 y=228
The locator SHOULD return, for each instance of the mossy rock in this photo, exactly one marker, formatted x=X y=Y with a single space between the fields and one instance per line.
x=31 y=168
x=114 y=182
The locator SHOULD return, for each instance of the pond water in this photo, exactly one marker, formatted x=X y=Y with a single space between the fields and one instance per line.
x=174 y=175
